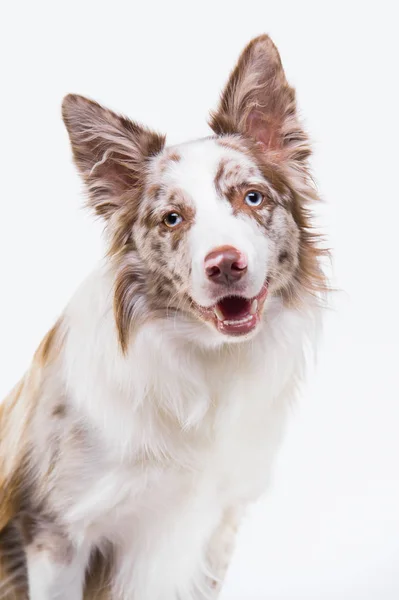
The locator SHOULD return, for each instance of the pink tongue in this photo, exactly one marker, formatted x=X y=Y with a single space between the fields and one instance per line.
x=234 y=307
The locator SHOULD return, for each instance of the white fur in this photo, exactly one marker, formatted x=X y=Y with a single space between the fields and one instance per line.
x=181 y=430
x=186 y=424
x=156 y=490
x=215 y=224
x=49 y=580
x=161 y=447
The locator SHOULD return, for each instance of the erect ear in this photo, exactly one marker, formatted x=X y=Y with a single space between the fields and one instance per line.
x=258 y=102
x=110 y=151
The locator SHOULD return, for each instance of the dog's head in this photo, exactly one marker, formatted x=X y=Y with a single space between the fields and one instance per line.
x=212 y=227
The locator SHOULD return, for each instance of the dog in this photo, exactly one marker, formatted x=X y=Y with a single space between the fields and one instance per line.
x=153 y=409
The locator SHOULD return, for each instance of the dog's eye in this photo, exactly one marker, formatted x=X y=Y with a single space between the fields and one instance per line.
x=253 y=198
x=172 y=219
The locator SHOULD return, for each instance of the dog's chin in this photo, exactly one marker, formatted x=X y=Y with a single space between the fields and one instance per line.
x=234 y=316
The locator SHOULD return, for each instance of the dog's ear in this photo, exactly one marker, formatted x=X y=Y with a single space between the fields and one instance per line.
x=110 y=151
x=258 y=102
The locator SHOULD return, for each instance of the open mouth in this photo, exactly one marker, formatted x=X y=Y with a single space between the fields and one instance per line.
x=236 y=315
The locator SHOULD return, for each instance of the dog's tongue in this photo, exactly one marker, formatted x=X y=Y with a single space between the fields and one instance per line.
x=234 y=307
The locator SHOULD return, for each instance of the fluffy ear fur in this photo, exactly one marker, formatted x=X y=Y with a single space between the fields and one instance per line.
x=258 y=102
x=109 y=150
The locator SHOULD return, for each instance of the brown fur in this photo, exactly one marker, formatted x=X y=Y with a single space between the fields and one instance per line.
x=109 y=150
x=259 y=105
x=171 y=155
x=284 y=193
x=128 y=285
x=258 y=101
x=256 y=117
x=13 y=448
x=18 y=526
x=10 y=489
x=16 y=413
x=98 y=577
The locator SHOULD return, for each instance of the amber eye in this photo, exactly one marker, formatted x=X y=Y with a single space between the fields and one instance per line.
x=253 y=198
x=172 y=219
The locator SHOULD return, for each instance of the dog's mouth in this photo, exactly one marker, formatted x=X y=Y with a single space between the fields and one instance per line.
x=235 y=315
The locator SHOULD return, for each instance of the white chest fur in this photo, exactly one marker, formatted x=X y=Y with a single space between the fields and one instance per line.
x=187 y=431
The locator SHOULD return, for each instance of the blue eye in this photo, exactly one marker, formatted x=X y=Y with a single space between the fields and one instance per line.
x=172 y=219
x=254 y=199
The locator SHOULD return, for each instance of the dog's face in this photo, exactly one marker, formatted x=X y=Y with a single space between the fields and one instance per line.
x=212 y=227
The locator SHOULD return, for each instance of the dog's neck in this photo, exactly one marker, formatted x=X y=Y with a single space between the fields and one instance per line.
x=169 y=366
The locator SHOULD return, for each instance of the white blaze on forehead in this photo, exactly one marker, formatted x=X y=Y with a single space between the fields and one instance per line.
x=215 y=224
x=199 y=161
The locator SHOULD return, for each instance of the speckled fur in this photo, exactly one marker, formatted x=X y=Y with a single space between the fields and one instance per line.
x=128 y=452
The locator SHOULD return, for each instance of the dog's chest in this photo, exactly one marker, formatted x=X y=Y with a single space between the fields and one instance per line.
x=247 y=429
x=221 y=460
x=184 y=424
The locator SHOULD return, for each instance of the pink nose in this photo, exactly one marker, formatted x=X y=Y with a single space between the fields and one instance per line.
x=225 y=265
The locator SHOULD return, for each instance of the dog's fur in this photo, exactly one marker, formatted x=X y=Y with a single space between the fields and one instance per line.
x=141 y=431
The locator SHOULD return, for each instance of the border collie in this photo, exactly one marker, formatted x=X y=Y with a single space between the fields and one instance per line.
x=153 y=409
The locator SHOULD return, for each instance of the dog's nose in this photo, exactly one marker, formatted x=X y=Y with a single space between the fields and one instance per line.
x=225 y=265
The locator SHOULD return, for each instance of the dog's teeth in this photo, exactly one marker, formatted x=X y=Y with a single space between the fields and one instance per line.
x=237 y=321
x=254 y=307
x=218 y=313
